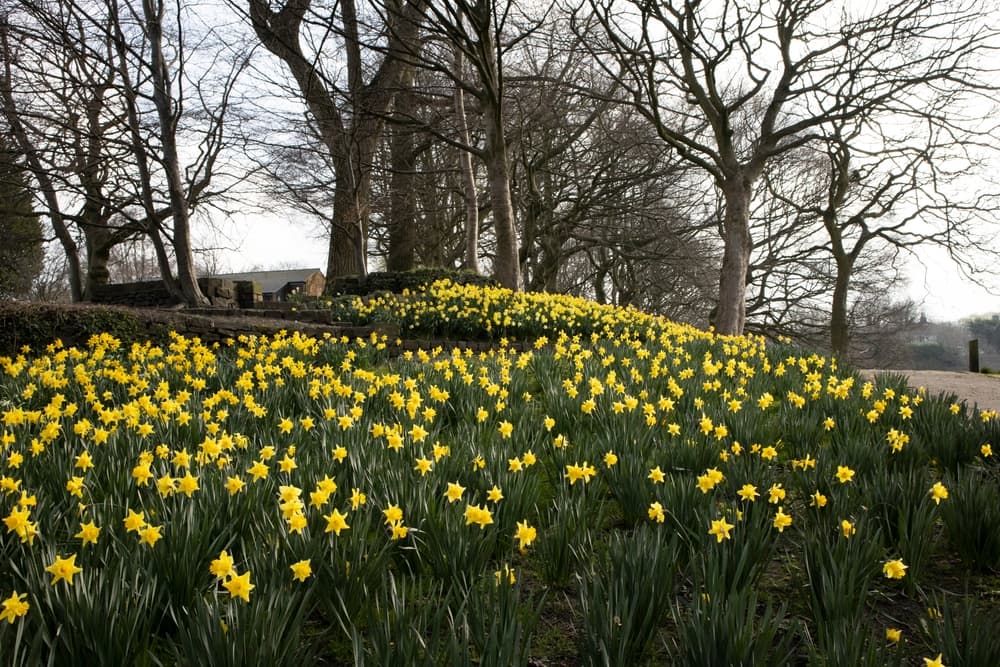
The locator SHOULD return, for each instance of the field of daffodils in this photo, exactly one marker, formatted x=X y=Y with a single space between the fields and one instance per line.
x=613 y=489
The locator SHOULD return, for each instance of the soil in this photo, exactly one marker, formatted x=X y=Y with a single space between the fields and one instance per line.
x=976 y=389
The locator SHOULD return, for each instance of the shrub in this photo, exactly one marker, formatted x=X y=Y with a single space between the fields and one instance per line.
x=37 y=325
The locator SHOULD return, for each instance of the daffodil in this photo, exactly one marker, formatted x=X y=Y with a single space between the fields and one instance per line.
x=134 y=521
x=938 y=492
x=222 y=566
x=399 y=531
x=706 y=483
x=936 y=662
x=150 y=535
x=393 y=514
x=239 y=586
x=14 y=607
x=89 y=532
x=234 y=485
x=142 y=474
x=575 y=473
x=258 y=470
x=301 y=570
x=63 y=569
x=894 y=569
x=782 y=520
x=479 y=515
x=454 y=492
x=84 y=461
x=720 y=528
x=187 y=484
x=776 y=494
x=525 y=535
x=336 y=522
x=423 y=466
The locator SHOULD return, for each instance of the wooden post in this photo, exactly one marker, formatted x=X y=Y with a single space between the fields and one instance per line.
x=974 y=356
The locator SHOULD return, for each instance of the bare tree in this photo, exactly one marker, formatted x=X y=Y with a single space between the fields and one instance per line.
x=481 y=33
x=605 y=208
x=731 y=84
x=889 y=187
x=68 y=152
x=81 y=80
x=193 y=101
x=348 y=115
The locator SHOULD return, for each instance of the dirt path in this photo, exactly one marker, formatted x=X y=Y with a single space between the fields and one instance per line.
x=974 y=388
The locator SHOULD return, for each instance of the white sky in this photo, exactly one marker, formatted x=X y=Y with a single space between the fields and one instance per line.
x=946 y=295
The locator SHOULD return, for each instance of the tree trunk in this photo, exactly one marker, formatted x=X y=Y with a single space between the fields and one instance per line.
x=735 y=258
x=600 y=275
x=187 y=278
x=545 y=278
x=471 y=261
x=98 y=256
x=70 y=249
x=402 y=213
x=505 y=264
x=163 y=261
x=529 y=230
x=348 y=233
x=839 y=331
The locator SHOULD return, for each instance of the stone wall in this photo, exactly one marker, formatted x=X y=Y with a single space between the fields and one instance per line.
x=153 y=294
x=218 y=328
x=397 y=282
x=36 y=325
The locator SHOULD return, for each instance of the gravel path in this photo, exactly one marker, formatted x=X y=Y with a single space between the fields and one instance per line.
x=975 y=388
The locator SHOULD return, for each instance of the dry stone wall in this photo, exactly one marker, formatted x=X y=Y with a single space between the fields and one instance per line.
x=153 y=294
x=148 y=294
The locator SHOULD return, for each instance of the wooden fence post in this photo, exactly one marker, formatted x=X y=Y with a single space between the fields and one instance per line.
x=974 y=355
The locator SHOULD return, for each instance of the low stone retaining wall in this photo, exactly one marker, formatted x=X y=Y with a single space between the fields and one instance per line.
x=36 y=325
x=314 y=315
x=221 y=293
x=214 y=327
x=397 y=282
